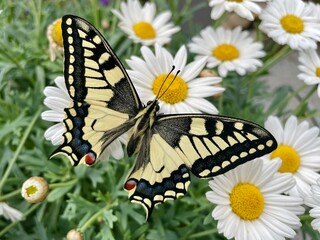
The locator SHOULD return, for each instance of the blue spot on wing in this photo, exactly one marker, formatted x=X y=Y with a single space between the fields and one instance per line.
x=146 y=190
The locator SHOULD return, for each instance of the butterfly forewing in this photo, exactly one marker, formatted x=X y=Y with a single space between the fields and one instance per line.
x=102 y=93
x=210 y=144
x=93 y=73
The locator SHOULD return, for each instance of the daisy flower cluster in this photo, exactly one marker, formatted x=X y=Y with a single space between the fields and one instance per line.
x=208 y=69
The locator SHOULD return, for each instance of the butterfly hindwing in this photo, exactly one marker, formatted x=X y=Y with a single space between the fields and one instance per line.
x=103 y=97
x=206 y=145
x=159 y=175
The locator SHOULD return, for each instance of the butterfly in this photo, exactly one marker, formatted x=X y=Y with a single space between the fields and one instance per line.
x=106 y=105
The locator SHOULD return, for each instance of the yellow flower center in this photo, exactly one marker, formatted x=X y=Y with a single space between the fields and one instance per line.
x=290 y=158
x=247 y=201
x=318 y=72
x=144 y=30
x=292 y=24
x=238 y=1
x=225 y=52
x=31 y=190
x=176 y=92
x=57 y=33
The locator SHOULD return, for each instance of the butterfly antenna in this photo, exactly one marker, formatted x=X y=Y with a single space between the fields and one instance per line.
x=175 y=76
x=173 y=67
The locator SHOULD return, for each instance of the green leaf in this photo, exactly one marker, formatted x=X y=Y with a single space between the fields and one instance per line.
x=57 y=193
x=109 y=217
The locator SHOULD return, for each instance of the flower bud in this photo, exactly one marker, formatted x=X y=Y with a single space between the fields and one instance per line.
x=35 y=189
x=74 y=235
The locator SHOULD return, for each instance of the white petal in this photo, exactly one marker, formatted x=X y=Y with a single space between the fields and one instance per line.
x=180 y=59
x=193 y=69
x=202 y=105
x=10 y=212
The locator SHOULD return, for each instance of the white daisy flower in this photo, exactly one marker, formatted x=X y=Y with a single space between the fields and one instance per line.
x=289 y=22
x=244 y=8
x=10 y=213
x=35 y=189
x=230 y=50
x=250 y=203
x=313 y=201
x=184 y=94
x=310 y=67
x=299 y=150
x=141 y=24
x=57 y=99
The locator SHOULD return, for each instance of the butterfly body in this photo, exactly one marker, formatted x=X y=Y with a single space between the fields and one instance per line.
x=143 y=122
x=105 y=105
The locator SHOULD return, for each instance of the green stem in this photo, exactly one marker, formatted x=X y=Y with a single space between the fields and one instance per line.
x=270 y=62
x=217 y=23
x=252 y=81
x=93 y=219
x=36 y=6
x=96 y=13
x=220 y=104
x=259 y=33
x=304 y=100
x=274 y=59
x=11 y=225
x=114 y=20
x=63 y=184
x=135 y=49
x=9 y=195
x=185 y=8
x=285 y=101
x=306 y=217
x=17 y=153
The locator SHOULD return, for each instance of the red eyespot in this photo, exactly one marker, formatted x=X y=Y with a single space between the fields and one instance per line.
x=90 y=158
x=130 y=184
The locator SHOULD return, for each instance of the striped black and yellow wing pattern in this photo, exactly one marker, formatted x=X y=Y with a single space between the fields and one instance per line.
x=103 y=96
x=206 y=145
x=167 y=147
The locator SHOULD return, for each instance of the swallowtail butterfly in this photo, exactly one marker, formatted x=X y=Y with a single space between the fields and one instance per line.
x=167 y=147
